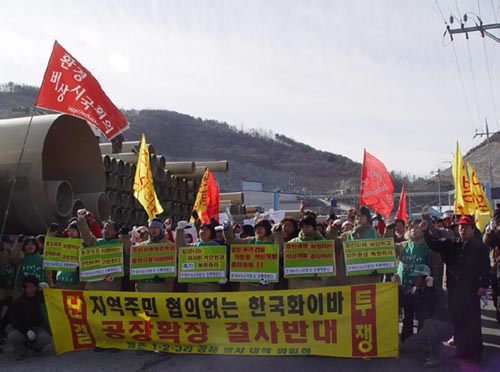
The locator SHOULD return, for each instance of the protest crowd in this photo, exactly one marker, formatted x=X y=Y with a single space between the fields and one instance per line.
x=443 y=267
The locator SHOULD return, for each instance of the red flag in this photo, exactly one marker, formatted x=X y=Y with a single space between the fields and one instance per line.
x=207 y=199
x=401 y=214
x=377 y=190
x=70 y=88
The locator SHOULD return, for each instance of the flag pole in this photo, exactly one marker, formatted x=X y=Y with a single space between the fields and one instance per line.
x=6 y=215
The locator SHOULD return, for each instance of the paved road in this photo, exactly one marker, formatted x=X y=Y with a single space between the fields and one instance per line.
x=130 y=361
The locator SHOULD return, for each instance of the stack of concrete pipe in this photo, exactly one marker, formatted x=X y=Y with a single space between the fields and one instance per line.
x=57 y=171
x=176 y=184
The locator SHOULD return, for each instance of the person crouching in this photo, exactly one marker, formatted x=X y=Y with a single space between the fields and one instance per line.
x=27 y=321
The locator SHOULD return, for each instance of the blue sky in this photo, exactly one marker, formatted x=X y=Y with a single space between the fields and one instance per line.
x=340 y=76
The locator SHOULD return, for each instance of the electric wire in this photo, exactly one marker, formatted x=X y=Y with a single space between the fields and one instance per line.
x=491 y=85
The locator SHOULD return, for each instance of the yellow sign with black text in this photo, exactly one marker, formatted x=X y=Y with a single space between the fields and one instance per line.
x=345 y=321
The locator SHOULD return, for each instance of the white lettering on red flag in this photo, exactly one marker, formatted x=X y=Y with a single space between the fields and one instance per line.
x=70 y=88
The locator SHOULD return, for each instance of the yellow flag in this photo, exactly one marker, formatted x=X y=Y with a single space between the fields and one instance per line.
x=483 y=210
x=464 y=199
x=144 y=190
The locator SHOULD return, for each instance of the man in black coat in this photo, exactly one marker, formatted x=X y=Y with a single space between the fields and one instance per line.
x=467 y=266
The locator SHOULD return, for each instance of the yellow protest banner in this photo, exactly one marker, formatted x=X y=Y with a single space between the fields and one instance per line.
x=344 y=321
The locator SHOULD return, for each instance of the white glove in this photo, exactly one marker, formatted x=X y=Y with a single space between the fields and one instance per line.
x=182 y=225
x=492 y=226
x=429 y=281
x=219 y=228
x=413 y=290
x=43 y=285
x=31 y=335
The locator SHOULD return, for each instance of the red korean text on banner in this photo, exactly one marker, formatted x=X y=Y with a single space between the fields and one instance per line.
x=363 y=321
x=401 y=213
x=70 y=88
x=207 y=199
x=377 y=190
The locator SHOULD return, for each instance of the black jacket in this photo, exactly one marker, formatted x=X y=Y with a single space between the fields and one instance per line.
x=467 y=263
x=27 y=312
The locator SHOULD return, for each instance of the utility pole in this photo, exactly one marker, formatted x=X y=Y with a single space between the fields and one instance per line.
x=482 y=28
x=439 y=189
x=487 y=134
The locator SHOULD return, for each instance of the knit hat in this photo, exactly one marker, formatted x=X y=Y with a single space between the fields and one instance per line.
x=73 y=225
x=157 y=222
x=265 y=224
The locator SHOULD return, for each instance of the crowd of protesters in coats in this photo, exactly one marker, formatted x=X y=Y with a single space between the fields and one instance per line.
x=444 y=267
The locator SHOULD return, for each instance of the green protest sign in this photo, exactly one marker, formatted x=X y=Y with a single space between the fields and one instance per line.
x=61 y=254
x=102 y=261
x=309 y=259
x=202 y=264
x=366 y=256
x=152 y=260
x=254 y=263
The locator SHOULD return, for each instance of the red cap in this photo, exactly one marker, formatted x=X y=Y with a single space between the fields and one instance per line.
x=466 y=220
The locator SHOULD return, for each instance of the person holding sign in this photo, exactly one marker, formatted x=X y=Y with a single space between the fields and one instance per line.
x=263 y=235
x=156 y=236
x=308 y=232
x=206 y=238
x=67 y=279
x=110 y=236
x=363 y=229
x=363 y=225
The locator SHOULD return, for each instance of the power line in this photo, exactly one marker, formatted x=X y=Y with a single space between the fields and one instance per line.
x=463 y=87
x=491 y=85
x=474 y=81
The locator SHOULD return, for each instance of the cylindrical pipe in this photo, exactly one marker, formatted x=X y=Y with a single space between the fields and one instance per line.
x=98 y=203
x=59 y=196
x=129 y=146
x=237 y=197
x=197 y=174
x=129 y=157
x=180 y=167
x=214 y=166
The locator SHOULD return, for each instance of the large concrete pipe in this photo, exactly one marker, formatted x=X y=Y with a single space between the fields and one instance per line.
x=196 y=175
x=236 y=197
x=98 y=203
x=180 y=167
x=58 y=147
x=214 y=166
x=59 y=195
x=129 y=146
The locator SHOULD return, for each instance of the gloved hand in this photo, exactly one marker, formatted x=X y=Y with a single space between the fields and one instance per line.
x=226 y=225
x=219 y=228
x=31 y=335
x=182 y=225
x=43 y=285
